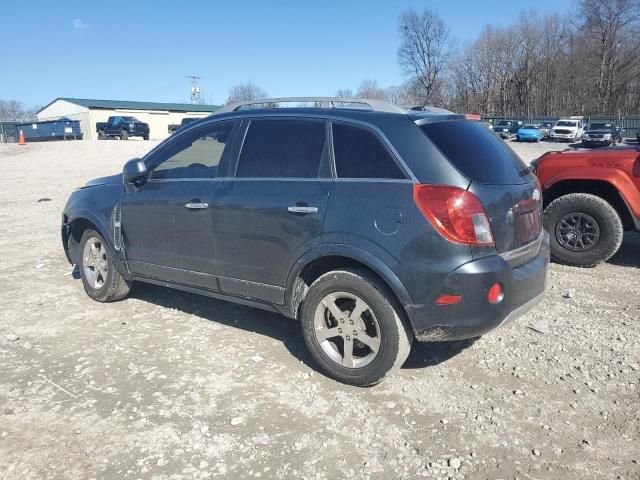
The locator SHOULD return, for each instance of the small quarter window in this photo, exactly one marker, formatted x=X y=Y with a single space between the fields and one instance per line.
x=359 y=153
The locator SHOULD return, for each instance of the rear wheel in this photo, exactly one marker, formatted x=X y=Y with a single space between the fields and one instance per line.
x=584 y=229
x=101 y=135
x=145 y=137
x=354 y=328
x=101 y=280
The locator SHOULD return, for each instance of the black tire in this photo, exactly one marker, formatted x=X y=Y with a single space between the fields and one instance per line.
x=115 y=286
x=607 y=222
x=145 y=137
x=394 y=334
x=124 y=135
x=101 y=135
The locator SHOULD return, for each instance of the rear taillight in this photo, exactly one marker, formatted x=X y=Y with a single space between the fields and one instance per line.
x=636 y=167
x=458 y=215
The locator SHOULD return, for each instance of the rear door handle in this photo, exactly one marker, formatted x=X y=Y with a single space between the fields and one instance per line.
x=302 y=209
x=196 y=205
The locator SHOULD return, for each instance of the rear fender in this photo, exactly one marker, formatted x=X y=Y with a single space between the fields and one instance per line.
x=361 y=256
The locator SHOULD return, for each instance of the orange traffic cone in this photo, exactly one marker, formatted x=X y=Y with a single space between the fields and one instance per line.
x=21 y=140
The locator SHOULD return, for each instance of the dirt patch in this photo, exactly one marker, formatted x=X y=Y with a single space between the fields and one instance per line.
x=172 y=385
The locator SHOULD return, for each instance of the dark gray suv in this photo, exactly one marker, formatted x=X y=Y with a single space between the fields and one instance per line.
x=370 y=224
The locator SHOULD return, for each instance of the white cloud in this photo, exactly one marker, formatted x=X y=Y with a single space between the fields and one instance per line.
x=79 y=24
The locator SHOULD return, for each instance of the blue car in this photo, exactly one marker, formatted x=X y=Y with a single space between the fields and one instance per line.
x=529 y=133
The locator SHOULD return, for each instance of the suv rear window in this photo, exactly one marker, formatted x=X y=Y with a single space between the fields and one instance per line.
x=478 y=153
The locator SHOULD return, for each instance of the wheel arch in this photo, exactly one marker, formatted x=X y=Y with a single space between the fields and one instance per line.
x=599 y=188
x=74 y=228
x=332 y=257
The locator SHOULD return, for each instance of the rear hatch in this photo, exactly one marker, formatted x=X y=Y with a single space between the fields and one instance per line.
x=507 y=188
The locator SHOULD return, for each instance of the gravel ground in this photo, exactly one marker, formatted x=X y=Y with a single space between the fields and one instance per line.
x=169 y=385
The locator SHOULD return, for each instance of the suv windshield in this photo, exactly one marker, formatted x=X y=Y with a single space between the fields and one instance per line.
x=531 y=127
x=600 y=126
x=479 y=154
x=566 y=123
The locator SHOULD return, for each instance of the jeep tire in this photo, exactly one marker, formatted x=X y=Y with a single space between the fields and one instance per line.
x=584 y=229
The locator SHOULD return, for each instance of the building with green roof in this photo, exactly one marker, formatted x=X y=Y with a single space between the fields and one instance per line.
x=158 y=115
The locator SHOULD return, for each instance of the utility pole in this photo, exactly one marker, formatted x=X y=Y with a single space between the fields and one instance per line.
x=195 y=89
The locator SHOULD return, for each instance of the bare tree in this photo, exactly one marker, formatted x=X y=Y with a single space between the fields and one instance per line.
x=395 y=94
x=370 y=89
x=344 y=93
x=15 y=111
x=425 y=49
x=244 y=92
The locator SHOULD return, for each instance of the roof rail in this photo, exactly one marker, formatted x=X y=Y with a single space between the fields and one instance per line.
x=319 y=102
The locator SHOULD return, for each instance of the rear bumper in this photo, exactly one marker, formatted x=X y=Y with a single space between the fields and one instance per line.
x=523 y=288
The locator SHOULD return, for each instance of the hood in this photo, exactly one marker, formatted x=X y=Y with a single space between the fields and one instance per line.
x=110 y=180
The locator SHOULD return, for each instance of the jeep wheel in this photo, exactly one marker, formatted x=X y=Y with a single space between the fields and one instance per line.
x=145 y=137
x=101 y=135
x=584 y=229
x=101 y=280
x=124 y=135
x=354 y=328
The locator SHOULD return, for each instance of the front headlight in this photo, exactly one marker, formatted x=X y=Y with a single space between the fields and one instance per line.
x=505 y=130
x=585 y=135
x=607 y=136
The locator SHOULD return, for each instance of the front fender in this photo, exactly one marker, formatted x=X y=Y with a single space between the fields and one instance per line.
x=613 y=176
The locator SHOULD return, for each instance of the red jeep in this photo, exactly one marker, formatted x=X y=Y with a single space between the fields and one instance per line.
x=590 y=198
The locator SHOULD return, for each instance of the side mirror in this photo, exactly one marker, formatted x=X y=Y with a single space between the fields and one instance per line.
x=134 y=171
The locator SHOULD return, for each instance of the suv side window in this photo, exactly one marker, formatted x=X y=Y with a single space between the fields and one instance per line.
x=283 y=148
x=196 y=155
x=359 y=153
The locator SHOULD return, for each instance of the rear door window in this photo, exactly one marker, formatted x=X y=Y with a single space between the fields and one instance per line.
x=479 y=154
x=359 y=153
x=283 y=148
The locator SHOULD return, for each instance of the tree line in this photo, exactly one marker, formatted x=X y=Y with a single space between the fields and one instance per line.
x=586 y=61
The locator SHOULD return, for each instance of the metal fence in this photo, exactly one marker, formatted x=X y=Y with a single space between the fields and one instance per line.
x=631 y=125
x=8 y=132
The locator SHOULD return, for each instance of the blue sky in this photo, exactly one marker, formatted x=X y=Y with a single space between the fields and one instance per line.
x=144 y=50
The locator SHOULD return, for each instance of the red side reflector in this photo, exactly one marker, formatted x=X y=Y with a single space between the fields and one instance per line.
x=472 y=116
x=495 y=294
x=448 y=299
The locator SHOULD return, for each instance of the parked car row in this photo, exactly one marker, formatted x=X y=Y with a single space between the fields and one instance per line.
x=570 y=129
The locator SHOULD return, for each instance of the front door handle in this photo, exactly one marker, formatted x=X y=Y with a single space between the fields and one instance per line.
x=303 y=210
x=196 y=205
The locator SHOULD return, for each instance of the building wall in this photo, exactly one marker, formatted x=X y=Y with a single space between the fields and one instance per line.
x=60 y=108
x=158 y=120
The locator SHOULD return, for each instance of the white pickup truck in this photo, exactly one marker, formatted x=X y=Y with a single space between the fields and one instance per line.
x=568 y=129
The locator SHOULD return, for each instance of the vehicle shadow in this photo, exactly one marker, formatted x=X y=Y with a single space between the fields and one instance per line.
x=274 y=325
x=629 y=253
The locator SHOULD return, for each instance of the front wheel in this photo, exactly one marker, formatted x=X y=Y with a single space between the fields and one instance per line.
x=101 y=280
x=354 y=328
x=584 y=229
x=124 y=135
